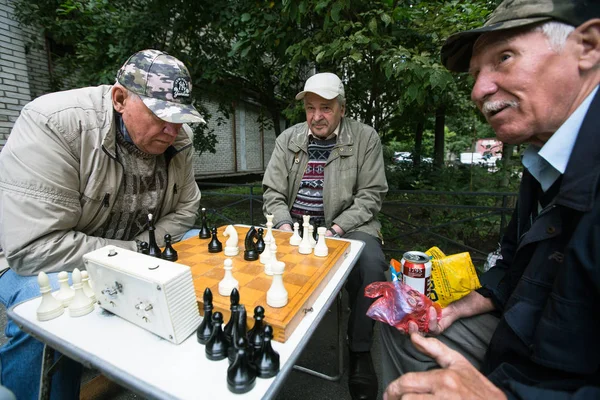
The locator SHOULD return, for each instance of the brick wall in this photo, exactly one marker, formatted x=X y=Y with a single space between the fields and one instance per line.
x=18 y=63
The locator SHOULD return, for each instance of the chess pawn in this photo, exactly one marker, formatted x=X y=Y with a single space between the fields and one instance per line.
x=272 y=259
x=85 y=285
x=231 y=245
x=234 y=301
x=305 y=245
x=260 y=241
x=228 y=283
x=311 y=236
x=81 y=304
x=241 y=374
x=267 y=360
x=50 y=307
x=153 y=249
x=265 y=256
x=205 y=329
x=255 y=335
x=169 y=253
x=214 y=246
x=144 y=248
x=65 y=294
x=239 y=331
x=269 y=235
x=295 y=239
x=277 y=295
x=216 y=346
x=321 y=249
x=204 y=231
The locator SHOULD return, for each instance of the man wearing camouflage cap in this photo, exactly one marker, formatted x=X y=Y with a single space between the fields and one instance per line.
x=531 y=330
x=83 y=169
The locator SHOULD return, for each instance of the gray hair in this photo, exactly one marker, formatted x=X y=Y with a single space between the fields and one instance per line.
x=131 y=94
x=341 y=100
x=556 y=33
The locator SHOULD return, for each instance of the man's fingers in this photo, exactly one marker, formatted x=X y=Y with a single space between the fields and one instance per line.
x=408 y=383
x=442 y=354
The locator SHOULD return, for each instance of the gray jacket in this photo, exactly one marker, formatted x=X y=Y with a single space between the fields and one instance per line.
x=59 y=176
x=354 y=186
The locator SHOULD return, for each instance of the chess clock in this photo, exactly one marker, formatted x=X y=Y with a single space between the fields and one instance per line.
x=155 y=294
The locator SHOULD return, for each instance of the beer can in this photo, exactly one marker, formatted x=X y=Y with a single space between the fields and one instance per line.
x=416 y=271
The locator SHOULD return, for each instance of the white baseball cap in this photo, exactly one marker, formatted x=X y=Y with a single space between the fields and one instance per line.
x=326 y=85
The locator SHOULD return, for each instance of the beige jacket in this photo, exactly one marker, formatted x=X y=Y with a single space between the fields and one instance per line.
x=355 y=183
x=59 y=177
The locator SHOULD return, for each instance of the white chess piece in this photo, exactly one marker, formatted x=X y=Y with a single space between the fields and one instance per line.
x=277 y=296
x=50 y=307
x=228 y=283
x=296 y=238
x=85 y=284
x=265 y=256
x=65 y=294
x=311 y=236
x=305 y=245
x=231 y=245
x=269 y=235
x=273 y=259
x=81 y=304
x=321 y=249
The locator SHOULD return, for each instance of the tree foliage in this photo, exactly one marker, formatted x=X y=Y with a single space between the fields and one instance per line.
x=386 y=51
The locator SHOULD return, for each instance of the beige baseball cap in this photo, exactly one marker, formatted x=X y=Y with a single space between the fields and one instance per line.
x=327 y=85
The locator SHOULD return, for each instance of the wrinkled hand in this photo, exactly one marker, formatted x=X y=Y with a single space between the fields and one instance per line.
x=435 y=327
x=286 y=227
x=457 y=378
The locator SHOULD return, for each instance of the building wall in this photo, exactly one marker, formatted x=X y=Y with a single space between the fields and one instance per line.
x=23 y=69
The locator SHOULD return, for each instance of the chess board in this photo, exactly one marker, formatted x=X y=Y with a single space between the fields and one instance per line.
x=304 y=278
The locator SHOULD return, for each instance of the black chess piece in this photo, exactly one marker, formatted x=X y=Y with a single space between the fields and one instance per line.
x=153 y=249
x=267 y=359
x=205 y=329
x=234 y=301
x=250 y=252
x=169 y=253
x=216 y=346
x=241 y=375
x=260 y=242
x=204 y=231
x=255 y=335
x=214 y=246
x=144 y=248
x=239 y=330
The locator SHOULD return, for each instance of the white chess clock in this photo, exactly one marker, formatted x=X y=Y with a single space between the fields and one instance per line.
x=155 y=294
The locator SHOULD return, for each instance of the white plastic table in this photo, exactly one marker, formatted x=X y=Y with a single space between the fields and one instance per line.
x=158 y=369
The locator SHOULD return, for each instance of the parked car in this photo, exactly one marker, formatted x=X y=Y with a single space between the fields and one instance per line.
x=400 y=157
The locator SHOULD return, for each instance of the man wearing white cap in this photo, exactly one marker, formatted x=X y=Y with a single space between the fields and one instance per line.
x=83 y=169
x=331 y=168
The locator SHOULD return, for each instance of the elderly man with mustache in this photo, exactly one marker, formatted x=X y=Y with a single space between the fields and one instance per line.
x=331 y=168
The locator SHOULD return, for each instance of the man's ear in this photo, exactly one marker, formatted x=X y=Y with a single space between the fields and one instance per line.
x=119 y=97
x=589 y=34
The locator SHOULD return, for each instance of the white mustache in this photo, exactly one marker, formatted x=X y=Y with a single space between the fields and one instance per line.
x=490 y=107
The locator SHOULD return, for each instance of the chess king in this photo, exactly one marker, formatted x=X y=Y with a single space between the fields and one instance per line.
x=331 y=168
x=99 y=160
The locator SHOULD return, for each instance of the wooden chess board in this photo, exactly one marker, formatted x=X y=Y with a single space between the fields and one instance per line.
x=304 y=278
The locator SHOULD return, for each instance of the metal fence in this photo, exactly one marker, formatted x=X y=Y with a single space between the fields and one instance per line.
x=411 y=219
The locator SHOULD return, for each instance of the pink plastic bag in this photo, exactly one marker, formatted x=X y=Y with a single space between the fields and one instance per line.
x=398 y=304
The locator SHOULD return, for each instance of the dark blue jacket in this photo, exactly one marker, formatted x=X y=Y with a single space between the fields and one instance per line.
x=547 y=344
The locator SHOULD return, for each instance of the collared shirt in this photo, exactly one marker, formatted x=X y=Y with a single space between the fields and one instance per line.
x=548 y=163
x=335 y=132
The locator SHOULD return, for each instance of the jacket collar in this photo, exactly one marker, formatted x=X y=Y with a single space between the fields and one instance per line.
x=299 y=139
x=580 y=180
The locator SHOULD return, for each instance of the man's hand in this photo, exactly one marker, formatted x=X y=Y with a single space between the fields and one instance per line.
x=286 y=227
x=457 y=378
x=435 y=327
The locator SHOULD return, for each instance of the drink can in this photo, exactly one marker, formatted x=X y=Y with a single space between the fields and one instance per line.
x=416 y=271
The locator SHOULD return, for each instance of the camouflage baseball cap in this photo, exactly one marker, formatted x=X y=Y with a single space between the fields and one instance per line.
x=163 y=83
x=457 y=51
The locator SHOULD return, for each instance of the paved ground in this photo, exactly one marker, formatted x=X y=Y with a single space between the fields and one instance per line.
x=320 y=354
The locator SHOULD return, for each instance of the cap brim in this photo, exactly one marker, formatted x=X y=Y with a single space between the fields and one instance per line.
x=326 y=94
x=458 y=48
x=175 y=113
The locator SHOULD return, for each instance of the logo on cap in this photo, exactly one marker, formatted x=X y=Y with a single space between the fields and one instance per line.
x=181 y=88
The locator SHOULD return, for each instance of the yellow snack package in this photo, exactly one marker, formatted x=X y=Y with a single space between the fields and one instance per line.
x=452 y=277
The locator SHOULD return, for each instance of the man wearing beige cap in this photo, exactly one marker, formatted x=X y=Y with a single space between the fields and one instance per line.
x=331 y=168
x=83 y=169
x=531 y=331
